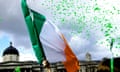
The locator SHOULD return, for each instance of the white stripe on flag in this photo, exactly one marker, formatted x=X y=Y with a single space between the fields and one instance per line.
x=52 y=42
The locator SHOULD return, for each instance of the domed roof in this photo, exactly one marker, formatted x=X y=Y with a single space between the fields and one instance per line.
x=10 y=50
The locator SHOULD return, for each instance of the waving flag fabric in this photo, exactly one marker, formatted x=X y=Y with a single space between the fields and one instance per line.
x=46 y=38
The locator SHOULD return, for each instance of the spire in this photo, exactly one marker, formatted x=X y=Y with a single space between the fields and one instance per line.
x=10 y=43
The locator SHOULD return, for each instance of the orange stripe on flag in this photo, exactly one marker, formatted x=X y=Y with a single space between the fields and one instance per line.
x=71 y=64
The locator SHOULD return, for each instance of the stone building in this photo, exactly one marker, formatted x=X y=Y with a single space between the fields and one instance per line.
x=11 y=61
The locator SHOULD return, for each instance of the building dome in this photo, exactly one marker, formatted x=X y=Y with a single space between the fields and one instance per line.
x=11 y=50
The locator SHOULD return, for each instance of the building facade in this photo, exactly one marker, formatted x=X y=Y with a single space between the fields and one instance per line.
x=11 y=61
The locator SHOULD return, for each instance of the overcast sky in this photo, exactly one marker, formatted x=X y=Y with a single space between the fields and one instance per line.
x=80 y=36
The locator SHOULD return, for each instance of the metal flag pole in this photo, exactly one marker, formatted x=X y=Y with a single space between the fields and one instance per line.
x=112 y=59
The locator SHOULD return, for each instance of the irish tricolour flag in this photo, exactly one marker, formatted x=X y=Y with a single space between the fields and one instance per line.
x=47 y=40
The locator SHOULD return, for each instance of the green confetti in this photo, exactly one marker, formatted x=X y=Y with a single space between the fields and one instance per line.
x=108 y=25
x=118 y=11
x=114 y=8
x=96 y=9
x=107 y=34
x=87 y=17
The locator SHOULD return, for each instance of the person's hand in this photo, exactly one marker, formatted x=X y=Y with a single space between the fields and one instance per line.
x=45 y=63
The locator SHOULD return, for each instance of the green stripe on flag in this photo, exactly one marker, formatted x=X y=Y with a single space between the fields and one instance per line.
x=38 y=21
x=34 y=27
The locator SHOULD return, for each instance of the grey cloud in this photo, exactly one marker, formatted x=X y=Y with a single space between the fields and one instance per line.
x=22 y=41
x=82 y=45
x=12 y=22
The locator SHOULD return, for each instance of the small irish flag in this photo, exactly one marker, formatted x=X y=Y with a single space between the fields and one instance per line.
x=17 y=69
x=47 y=40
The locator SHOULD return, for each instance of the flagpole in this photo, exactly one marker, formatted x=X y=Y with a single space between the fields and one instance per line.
x=112 y=63
x=112 y=59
